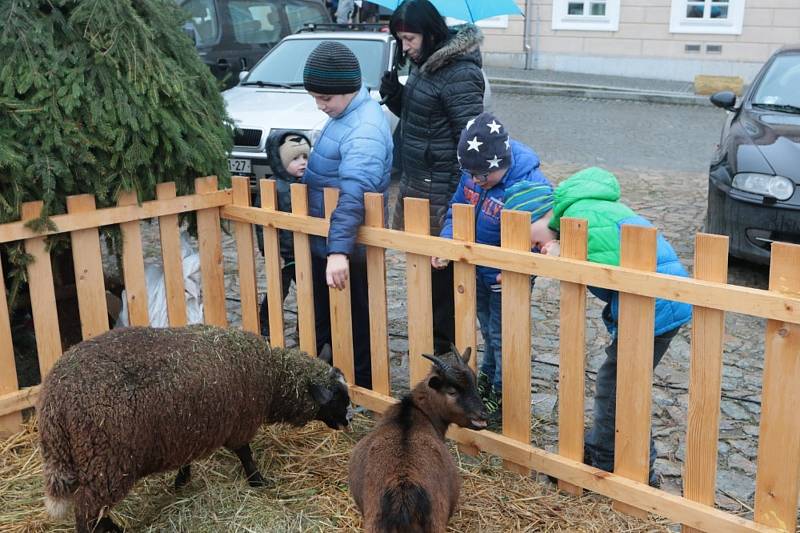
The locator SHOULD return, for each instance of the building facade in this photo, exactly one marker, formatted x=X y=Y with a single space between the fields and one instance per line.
x=666 y=39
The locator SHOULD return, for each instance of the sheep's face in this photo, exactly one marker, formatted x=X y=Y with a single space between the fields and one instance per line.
x=333 y=400
x=457 y=390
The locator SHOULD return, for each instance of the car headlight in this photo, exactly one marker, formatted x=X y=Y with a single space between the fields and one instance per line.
x=776 y=187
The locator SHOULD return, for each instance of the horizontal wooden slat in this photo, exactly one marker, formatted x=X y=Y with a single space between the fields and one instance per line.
x=16 y=231
x=733 y=298
x=17 y=401
x=639 y=495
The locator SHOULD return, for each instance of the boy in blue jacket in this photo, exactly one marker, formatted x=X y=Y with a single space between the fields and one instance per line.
x=354 y=154
x=491 y=162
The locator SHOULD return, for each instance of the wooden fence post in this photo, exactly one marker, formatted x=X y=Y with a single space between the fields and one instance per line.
x=89 y=279
x=133 y=265
x=12 y=422
x=779 y=430
x=705 y=377
x=572 y=342
x=272 y=265
x=635 y=365
x=464 y=294
x=378 y=315
x=245 y=257
x=43 y=295
x=516 y=326
x=172 y=258
x=340 y=312
x=418 y=286
x=464 y=285
x=209 y=239
x=303 y=275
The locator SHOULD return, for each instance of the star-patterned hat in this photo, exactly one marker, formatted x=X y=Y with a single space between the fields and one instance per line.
x=484 y=145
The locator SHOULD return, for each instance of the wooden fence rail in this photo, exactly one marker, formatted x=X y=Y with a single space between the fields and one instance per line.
x=779 y=444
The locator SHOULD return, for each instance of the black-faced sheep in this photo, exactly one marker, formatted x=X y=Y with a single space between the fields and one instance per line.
x=402 y=476
x=137 y=401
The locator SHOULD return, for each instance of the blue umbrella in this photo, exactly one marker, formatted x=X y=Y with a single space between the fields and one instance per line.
x=469 y=10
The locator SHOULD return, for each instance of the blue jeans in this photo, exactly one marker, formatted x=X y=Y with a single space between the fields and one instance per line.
x=489 y=303
x=600 y=439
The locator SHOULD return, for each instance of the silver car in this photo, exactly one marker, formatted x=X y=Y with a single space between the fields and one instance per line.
x=271 y=96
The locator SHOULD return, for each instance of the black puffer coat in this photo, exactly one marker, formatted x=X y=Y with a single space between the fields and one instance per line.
x=438 y=99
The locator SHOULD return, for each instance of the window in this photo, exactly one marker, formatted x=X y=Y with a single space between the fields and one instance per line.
x=300 y=14
x=284 y=64
x=203 y=17
x=590 y=15
x=707 y=16
x=255 y=22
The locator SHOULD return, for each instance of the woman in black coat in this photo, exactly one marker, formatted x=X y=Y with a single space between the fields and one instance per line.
x=444 y=90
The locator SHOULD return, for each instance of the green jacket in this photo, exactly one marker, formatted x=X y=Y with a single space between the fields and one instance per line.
x=593 y=194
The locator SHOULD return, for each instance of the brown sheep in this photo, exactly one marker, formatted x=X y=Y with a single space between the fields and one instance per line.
x=402 y=476
x=137 y=401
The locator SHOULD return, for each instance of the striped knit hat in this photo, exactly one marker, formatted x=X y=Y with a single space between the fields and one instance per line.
x=332 y=69
x=536 y=198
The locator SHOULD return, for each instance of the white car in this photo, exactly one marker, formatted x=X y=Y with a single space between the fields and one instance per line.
x=271 y=95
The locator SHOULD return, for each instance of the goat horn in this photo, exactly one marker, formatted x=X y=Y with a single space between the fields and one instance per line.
x=443 y=367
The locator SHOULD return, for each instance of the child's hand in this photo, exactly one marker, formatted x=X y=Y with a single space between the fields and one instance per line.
x=439 y=263
x=552 y=248
x=337 y=271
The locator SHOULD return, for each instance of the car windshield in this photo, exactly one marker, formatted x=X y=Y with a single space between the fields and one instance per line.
x=780 y=86
x=284 y=64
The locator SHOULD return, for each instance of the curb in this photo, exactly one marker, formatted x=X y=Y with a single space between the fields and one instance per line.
x=531 y=87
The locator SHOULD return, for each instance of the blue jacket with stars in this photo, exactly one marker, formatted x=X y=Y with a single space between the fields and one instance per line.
x=353 y=154
x=489 y=203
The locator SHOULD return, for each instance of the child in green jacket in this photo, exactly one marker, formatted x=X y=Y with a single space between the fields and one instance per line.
x=593 y=194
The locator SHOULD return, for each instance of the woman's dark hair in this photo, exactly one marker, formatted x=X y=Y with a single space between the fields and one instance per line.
x=418 y=16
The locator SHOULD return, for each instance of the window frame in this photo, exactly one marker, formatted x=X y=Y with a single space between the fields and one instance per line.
x=732 y=25
x=563 y=21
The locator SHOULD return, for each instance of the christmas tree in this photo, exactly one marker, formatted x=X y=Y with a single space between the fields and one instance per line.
x=98 y=96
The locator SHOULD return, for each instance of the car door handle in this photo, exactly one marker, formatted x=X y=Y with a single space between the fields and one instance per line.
x=223 y=64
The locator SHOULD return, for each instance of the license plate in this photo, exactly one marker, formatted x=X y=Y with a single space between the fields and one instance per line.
x=239 y=166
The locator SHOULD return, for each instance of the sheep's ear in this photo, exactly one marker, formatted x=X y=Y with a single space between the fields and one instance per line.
x=321 y=395
x=435 y=382
x=466 y=355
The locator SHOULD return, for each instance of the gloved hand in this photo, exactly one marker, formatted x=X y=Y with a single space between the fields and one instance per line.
x=390 y=85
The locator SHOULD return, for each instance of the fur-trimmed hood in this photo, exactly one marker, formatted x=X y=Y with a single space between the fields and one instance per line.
x=465 y=43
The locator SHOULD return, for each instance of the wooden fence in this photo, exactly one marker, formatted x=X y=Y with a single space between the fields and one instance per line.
x=779 y=440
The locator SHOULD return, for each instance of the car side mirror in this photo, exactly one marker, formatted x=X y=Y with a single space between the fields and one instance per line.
x=724 y=99
x=243 y=74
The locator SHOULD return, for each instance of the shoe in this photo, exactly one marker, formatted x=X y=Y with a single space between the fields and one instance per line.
x=484 y=386
x=494 y=408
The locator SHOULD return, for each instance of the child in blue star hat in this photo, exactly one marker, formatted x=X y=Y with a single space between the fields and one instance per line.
x=491 y=163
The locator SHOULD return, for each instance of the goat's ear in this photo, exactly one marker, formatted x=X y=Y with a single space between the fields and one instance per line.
x=466 y=355
x=321 y=395
x=435 y=382
x=326 y=354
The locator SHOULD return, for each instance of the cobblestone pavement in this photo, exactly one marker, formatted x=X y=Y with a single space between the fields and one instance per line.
x=680 y=216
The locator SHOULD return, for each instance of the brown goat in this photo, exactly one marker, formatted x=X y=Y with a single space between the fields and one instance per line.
x=402 y=476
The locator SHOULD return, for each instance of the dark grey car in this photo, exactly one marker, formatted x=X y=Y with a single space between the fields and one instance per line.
x=232 y=35
x=754 y=179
